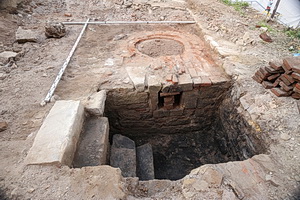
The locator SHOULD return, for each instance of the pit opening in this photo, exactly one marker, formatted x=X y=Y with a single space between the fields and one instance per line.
x=160 y=47
x=203 y=128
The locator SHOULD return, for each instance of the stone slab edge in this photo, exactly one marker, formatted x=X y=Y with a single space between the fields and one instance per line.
x=56 y=140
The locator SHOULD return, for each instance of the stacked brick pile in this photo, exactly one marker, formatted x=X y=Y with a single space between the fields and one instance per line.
x=283 y=79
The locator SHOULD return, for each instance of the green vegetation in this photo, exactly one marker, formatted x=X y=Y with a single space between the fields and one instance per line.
x=238 y=5
x=264 y=24
x=293 y=33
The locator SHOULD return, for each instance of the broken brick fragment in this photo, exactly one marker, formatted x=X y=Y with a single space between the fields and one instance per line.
x=264 y=36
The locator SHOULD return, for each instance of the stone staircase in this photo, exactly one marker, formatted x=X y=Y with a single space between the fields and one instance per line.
x=131 y=160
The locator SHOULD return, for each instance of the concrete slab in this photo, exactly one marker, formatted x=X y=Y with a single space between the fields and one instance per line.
x=137 y=76
x=93 y=147
x=55 y=142
x=96 y=103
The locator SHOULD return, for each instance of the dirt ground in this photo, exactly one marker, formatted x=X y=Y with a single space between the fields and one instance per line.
x=26 y=85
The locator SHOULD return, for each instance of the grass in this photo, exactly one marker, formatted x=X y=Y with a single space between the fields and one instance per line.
x=293 y=33
x=238 y=5
x=264 y=24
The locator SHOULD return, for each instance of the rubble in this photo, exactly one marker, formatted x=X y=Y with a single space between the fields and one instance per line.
x=55 y=30
x=23 y=36
x=3 y=126
x=283 y=79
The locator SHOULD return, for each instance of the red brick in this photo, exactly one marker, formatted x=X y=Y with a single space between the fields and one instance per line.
x=289 y=78
x=292 y=63
x=280 y=93
x=275 y=65
x=296 y=95
x=296 y=89
x=297 y=86
x=285 y=87
x=276 y=83
x=169 y=107
x=257 y=79
x=273 y=71
x=169 y=77
x=286 y=70
x=258 y=73
x=273 y=77
x=267 y=84
x=169 y=99
x=296 y=76
x=264 y=72
x=285 y=80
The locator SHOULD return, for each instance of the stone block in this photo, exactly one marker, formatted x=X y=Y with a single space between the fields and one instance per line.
x=96 y=103
x=23 y=36
x=176 y=112
x=5 y=56
x=154 y=84
x=123 y=155
x=94 y=145
x=137 y=76
x=145 y=166
x=55 y=142
x=185 y=82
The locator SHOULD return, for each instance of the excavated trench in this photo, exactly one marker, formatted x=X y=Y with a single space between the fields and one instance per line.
x=184 y=138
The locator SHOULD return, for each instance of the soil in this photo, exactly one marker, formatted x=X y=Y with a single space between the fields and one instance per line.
x=37 y=65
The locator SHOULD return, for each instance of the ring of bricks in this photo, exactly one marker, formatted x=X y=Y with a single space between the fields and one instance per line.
x=283 y=79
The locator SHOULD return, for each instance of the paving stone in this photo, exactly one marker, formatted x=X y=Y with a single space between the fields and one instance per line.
x=94 y=145
x=23 y=36
x=123 y=155
x=280 y=93
x=96 y=103
x=218 y=79
x=137 y=76
x=3 y=126
x=55 y=142
x=145 y=166
x=185 y=82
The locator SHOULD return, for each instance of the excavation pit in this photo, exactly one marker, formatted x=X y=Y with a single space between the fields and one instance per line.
x=184 y=138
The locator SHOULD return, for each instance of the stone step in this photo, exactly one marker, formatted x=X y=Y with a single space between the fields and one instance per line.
x=93 y=147
x=123 y=155
x=145 y=166
x=55 y=142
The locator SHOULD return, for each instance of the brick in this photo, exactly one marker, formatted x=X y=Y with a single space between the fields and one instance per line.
x=259 y=74
x=189 y=99
x=168 y=94
x=176 y=112
x=168 y=106
x=276 y=83
x=296 y=76
x=161 y=113
x=185 y=82
x=94 y=145
x=296 y=89
x=264 y=72
x=276 y=65
x=169 y=77
x=267 y=84
x=273 y=71
x=296 y=96
x=285 y=87
x=289 y=78
x=169 y=99
x=56 y=140
x=96 y=103
x=292 y=64
x=297 y=86
x=3 y=126
x=280 y=93
x=205 y=81
x=193 y=72
x=174 y=79
x=273 y=77
x=285 y=80
x=257 y=79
